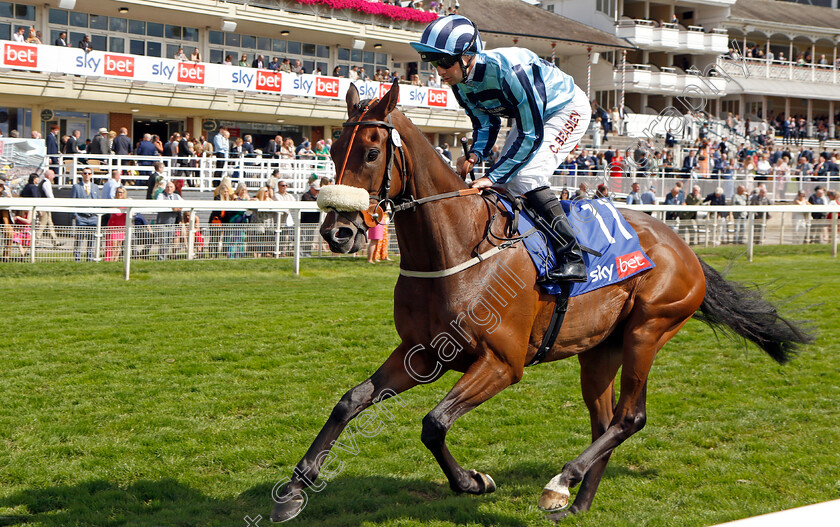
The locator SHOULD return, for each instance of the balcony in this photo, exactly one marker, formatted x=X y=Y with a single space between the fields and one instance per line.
x=653 y=36
x=780 y=70
x=646 y=78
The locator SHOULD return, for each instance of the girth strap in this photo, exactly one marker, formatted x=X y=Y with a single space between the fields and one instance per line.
x=561 y=303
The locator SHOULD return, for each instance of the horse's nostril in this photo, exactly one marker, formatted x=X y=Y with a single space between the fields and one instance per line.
x=343 y=234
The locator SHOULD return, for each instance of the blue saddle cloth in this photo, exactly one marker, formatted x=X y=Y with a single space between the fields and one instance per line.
x=599 y=226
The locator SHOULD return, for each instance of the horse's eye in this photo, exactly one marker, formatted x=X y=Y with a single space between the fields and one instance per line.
x=372 y=155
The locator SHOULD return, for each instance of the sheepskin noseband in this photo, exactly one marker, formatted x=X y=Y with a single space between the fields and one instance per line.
x=343 y=198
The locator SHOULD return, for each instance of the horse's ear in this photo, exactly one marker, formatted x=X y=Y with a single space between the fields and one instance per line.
x=390 y=100
x=352 y=98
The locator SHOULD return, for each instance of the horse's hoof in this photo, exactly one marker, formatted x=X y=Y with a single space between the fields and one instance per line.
x=486 y=485
x=554 y=499
x=287 y=510
x=558 y=516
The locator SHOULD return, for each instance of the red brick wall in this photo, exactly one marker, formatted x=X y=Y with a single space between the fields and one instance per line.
x=119 y=120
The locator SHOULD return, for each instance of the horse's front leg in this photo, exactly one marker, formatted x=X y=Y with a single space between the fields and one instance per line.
x=390 y=379
x=484 y=379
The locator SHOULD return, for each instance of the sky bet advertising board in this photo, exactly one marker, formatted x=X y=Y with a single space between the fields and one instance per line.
x=73 y=61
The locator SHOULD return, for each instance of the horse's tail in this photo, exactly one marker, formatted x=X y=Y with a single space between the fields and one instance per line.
x=740 y=311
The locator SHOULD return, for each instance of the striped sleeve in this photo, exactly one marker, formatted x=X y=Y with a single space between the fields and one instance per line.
x=485 y=127
x=528 y=91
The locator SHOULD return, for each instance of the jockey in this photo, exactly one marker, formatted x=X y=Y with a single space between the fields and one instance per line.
x=550 y=115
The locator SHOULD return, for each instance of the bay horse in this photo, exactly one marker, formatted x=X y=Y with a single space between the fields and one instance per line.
x=442 y=324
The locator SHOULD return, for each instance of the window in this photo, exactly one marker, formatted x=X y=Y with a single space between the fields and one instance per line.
x=99 y=42
x=343 y=54
x=308 y=50
x=116 y=44
x=7 y=10
x=78 y=19
x=248 y=41
x=232 y=39
x=24 y=12
x=153 y=49
x=98 y=22
x=323 y=52
x=5 y=31
x=216 y=56
x=118 y=24
x=136 y=27
x=173 y=31
x=293 y=48
x=278 y=46
x=189 y=33
x=137 y=47
x=382 y=59
x=154 y=30
x=57 y=16
x=264 y=43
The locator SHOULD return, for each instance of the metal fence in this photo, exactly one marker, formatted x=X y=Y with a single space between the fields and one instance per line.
x=266 y=229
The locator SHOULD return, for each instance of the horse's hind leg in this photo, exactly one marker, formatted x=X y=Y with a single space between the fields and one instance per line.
x=598 y=368
x=484 y=379
x=643 y=337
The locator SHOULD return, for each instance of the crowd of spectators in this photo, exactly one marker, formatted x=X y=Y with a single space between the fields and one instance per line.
x=803 y=58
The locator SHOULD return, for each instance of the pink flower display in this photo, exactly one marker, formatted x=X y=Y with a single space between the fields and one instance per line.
x=375 y=8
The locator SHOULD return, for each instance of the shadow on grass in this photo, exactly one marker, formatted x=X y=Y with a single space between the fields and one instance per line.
x=343 y=502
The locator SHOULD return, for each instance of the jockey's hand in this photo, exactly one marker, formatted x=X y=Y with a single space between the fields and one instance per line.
x=482 y=182
x=464 y=165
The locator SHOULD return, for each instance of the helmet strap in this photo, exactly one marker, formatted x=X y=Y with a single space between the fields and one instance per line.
x=464 y=66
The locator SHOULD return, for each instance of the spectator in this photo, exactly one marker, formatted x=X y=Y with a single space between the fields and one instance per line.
x=31 y=190
x=109 y=189
x=62 y=41
x=286 y=66
x=718 y=198
x=228 y=60
x=221 y=147
x=72 y=147
x=446 y=153
x=85 y=44
x=85 y=221
x=196 y=55
x=146 y=149
x=115 y=229
x=801 y=220
x=122 y=143
x=649 y=197
x=675 y=197
x=99 y=144
x=243 y=60
x=634 y=198
x=34 y=37
x=180 y=55
x=274 y=65
x=818 y=231
x=20 y=35
x=258 y=62
x=45 y=216
x=353 y=73
x=153 y=180
x=167 y=221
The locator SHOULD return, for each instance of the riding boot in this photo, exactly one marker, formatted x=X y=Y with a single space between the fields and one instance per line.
x=569 y=264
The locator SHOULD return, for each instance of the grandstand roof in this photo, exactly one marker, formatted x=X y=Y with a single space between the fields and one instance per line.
x=787 y=13
x=516 y=18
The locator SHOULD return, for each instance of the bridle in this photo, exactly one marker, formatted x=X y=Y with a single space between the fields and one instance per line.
x=375 y=214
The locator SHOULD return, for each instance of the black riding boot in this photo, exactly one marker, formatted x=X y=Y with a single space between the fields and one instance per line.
x=569 y=265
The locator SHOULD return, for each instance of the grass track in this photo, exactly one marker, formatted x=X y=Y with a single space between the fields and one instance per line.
x=181 y=397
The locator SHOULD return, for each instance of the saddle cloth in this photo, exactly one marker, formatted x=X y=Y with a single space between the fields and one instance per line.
x=598 y=225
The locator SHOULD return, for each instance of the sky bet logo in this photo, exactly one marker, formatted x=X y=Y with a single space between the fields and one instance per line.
x=437 y=98
x=17 y=55
x=326 y=87
x=269 y=81
x=119 y=65
x=191 y=73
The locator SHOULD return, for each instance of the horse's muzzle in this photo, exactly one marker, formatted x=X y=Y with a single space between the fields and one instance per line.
x=341 y=234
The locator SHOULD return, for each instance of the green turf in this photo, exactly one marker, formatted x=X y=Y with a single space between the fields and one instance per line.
x=181 y=397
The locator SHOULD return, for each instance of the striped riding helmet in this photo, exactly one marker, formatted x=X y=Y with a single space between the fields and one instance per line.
x=450 y=35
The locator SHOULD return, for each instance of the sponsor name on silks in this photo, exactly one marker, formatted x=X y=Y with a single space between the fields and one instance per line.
x=19 y=55
x=630 y=263
x=566 y=132
x=602 y=272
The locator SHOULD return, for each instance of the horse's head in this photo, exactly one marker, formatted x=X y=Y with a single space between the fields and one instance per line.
x=364 y=158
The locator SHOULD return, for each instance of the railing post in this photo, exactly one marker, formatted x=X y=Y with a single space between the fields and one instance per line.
x=751 y=234
x=129 y=231
x=98 y=238
x=782 y=229
x=833 y=236
x=32 y=241
x=277 y=235
x=191 y=237
x=297 y=242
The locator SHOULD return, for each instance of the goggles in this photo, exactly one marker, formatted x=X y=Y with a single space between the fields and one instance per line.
x=440 y=60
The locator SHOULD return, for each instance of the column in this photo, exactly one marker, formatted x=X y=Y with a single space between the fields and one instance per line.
x=810 y=118
x=647 y=10
x=717 y=108
x=787 y=107
x=834 y=66
x=764 y=108
x=790 y=58
x=813 y=61
x=742 y=114
x=766 y=60
x=831 y=119
x=36 y=124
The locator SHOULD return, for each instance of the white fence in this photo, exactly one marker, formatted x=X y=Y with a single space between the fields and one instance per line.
x=282 y=229
x=201 y=173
